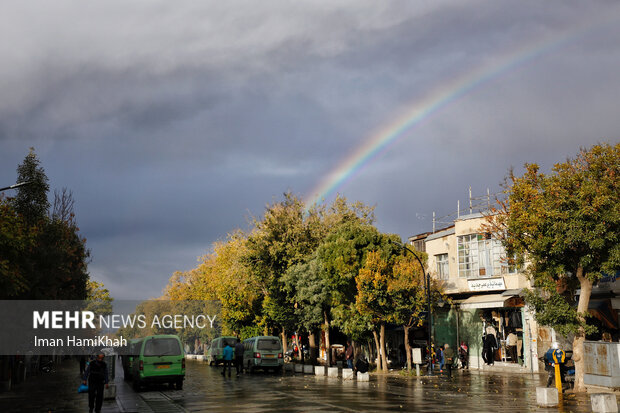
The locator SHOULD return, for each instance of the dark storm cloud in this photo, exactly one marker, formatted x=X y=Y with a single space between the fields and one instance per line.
x=173 y=123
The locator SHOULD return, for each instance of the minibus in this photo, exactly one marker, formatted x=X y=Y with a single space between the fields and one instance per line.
x=158 y=359
x=215 y=354
x=263 y=352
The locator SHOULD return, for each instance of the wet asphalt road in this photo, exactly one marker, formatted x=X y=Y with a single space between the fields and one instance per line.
x=205 y=390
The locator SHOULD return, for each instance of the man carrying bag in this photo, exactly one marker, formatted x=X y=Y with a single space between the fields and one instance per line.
x=97 y=375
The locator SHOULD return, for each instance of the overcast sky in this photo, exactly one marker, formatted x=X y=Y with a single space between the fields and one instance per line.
x=173 y=122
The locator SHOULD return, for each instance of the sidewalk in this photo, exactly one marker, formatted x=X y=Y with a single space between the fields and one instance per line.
x=53 y=392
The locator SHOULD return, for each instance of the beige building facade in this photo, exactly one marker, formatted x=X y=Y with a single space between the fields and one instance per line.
x=486 y=296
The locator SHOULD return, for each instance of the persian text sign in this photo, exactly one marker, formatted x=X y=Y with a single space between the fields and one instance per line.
x=488 y=284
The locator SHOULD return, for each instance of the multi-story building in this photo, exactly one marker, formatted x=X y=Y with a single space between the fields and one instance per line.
x=485 y=291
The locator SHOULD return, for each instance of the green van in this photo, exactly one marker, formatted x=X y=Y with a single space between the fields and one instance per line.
x=158 y=359
x=215 y=353
x=263 y=352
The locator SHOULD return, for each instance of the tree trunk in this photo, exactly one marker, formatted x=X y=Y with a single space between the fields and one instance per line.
x=378 y=345
x=407 y=347
x=383 y=355
x=312 y=341
x=580 y=337
x=284 y=342
x=328 y=350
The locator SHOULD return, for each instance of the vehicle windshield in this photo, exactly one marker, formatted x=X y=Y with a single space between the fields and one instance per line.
x=268 y=344
x=162 y=347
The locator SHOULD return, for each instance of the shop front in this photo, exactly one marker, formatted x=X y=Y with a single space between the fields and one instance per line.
x=496 y=328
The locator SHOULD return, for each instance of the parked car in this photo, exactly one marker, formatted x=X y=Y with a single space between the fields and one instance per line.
x=263 y=352
x=158 y=359
x=216 y=349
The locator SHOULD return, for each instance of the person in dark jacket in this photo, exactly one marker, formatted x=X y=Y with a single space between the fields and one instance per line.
x=349 y=354
x=239 y=349
x=488 y=349
x=96 y=374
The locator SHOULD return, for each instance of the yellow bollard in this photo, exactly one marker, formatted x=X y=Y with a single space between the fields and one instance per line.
x=559 y=356
x=558 y=378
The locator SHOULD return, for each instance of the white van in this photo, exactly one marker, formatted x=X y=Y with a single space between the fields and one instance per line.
x=263 y=352
x=215 y=353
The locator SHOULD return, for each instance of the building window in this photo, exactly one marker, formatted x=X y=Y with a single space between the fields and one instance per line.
x=467 y=247
x=443 y=268
x=481 y=256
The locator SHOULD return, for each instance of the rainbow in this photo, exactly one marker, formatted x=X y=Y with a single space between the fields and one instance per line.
x=432 y=103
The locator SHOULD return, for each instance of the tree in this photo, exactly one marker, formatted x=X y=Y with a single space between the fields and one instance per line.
x=566 y=226
x=98 y=299
x=287 y=235
x=17 y=239
x=407 y=292
x=373 y=299
x=31 y=200
x=341 y=256
x=46 y=258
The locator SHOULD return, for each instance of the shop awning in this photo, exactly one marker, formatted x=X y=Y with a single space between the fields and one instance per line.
x=483 y=301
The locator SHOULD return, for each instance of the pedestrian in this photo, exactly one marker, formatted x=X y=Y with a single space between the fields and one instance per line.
x=349 y=354
x=239 y=349
x=511 y=343
x=96 y=374
x=448 y=356
x=440 y=358
x=227 y=356
x=82 y=365
x=464 y=355
x=362 y=365
x=488 y=349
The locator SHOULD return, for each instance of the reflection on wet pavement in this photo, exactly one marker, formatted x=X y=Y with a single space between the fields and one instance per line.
x=206 y=390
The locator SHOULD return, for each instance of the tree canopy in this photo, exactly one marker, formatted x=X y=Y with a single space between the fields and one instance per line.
x=565 y=226
x=42 y=255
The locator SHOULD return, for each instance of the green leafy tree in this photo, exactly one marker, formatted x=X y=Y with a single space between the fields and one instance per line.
x=287 y=235
x=566 y=226
x=98 y=299
x=341 y=256
x=17 y=239
x=407 y=292
x=47 y=258
x=31 y=200
x=373 y=299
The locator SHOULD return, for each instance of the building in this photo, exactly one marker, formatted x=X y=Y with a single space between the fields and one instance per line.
x=485 y=293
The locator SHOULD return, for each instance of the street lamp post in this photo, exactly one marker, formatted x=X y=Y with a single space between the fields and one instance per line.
x=14 y=186
x=427 y=285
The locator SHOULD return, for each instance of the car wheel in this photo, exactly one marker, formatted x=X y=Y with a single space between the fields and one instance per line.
x=180 y=384
x=136 y=385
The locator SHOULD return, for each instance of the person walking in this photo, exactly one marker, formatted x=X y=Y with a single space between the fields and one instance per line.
x=227 y=355
x=349 y=355
x=96 y=374
x=239 y=349
x=440 y=358
x=82 y=365
x=488 y=350
x=448 y=357
x=464 y=355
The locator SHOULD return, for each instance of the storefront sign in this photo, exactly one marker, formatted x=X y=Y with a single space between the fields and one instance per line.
x=488 y=284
